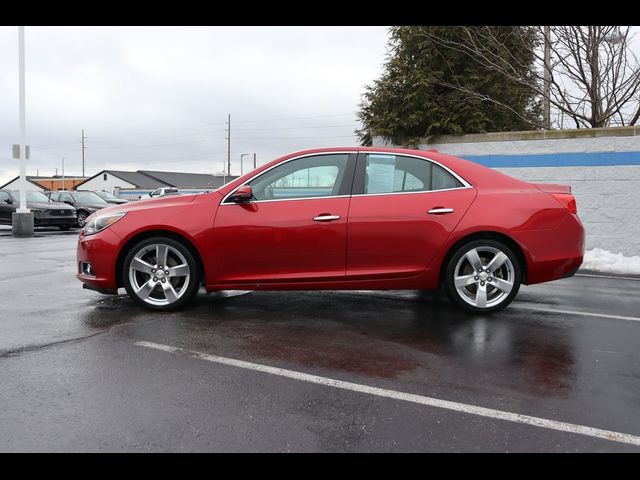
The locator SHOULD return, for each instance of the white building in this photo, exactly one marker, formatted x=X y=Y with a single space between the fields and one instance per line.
x=133 y=185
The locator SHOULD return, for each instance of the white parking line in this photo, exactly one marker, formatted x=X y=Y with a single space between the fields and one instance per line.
x=407 y=397
x=575 y=312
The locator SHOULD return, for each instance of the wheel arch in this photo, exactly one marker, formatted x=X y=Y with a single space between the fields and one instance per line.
x=157 y=233
x=490 y=235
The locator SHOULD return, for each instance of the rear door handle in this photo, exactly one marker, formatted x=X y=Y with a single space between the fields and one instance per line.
x=440 y=211
x=326 y=218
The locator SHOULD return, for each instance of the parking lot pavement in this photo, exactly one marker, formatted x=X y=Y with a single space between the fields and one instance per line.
x=559 y=370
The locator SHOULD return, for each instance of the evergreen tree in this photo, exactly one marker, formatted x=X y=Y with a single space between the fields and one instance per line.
x=431 y=85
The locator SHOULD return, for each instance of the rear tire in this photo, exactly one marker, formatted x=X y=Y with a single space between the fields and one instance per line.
x=483 y=276
x=160 y=273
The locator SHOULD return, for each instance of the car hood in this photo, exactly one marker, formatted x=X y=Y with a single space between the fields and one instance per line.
x=49 y=206
x=149 y=204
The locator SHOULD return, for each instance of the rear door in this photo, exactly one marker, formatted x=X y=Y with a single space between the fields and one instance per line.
x=402 y=211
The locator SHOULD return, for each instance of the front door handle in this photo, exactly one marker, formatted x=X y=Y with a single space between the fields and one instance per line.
x=326 y=218
x=440 y=211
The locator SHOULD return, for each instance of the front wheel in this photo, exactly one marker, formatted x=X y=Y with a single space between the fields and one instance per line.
x=82 y=219
x=160 y=273
x=483 y=276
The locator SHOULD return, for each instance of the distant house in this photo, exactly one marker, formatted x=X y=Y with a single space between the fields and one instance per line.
x=128 y=184
x=46 y=183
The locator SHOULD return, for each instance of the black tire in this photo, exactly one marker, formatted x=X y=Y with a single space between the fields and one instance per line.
x=501 y=298
x=190 y=286
x=64 y=228
x=82 y=218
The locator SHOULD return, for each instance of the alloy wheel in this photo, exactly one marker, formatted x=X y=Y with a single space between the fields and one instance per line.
x=159 y=274
x=484 y=277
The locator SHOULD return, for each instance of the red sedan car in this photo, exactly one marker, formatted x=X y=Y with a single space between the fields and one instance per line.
x=341 y=218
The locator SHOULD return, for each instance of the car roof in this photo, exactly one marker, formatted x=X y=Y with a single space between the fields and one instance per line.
x=473 y=173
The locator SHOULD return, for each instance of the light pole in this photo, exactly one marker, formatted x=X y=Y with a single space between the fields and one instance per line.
x=241 y=157
x=22 y=219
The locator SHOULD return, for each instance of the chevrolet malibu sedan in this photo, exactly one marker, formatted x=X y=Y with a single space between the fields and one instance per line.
x=45 y=212
x=341 y=218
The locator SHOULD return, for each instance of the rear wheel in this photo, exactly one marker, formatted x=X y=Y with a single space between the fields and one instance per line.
x=483 y=276
x=160 y=273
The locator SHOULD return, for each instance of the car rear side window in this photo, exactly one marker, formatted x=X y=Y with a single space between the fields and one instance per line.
x=316 y=176
x=385 y=173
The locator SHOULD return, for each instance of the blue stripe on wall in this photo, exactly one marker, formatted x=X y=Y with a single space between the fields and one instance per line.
x=592 y=159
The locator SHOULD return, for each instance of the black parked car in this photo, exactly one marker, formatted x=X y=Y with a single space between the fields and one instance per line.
x=45 y=212
x=110 y=197
x=84 y=201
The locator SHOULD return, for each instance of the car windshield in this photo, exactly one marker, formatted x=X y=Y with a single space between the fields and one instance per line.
x=87 y=197
x=106 y=196
x=31 y=196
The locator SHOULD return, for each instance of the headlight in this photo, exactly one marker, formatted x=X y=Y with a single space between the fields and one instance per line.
x=99 y=223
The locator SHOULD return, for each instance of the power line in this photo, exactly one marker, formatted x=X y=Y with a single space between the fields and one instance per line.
x=312 y=137
x=298 y=128
x=296 y=118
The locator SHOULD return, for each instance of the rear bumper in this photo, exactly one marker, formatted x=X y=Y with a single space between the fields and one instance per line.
x=555 y=253
x=101 y=251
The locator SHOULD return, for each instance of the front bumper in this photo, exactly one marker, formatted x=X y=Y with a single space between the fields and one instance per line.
x=43 y=219
x=101 y=251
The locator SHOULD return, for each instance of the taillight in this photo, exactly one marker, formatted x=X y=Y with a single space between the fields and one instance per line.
x=567 y=200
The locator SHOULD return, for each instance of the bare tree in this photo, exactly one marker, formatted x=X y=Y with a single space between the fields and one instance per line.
x=588 y=74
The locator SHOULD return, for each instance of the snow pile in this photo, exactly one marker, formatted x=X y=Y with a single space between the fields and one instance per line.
x=604 y=261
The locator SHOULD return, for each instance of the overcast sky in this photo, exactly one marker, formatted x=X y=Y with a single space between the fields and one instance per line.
x=158 y=97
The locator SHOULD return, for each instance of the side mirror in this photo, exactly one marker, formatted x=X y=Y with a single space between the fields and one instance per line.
x=9 y=201
x=243 y=194
x=68 y=202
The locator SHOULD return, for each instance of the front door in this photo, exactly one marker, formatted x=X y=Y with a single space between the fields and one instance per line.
x=295 y=229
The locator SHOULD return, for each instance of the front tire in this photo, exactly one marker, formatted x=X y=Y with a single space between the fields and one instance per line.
x=82 y=218
x=160 y=273
x=483 y=276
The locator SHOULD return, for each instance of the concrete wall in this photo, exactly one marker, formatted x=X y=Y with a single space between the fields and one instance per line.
x=601 y=165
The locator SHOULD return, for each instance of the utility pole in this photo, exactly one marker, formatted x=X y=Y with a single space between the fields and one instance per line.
x=254 y=161
x=547 y=78
x=229 y=144
x=83 y=149
x=63 y=173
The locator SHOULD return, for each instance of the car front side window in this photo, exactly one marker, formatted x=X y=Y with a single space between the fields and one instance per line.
x=308 y=177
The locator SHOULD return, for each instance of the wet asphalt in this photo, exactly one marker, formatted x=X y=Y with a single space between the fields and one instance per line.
x=72 y=377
